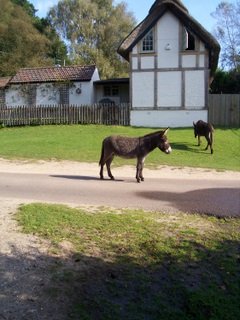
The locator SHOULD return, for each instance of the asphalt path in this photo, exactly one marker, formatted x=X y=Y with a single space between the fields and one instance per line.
x=213 y=197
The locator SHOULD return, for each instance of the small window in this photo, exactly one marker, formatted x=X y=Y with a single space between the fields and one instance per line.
x=115 y=91
x=188 y=40
x=111 y=91
x=107 y=91
x=148 y=42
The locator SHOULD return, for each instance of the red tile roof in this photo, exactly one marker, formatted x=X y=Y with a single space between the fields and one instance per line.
x=4 y=81
x=53 y=74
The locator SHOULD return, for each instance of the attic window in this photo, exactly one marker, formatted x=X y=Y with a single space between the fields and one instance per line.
x=188 y=40
x=148 y=42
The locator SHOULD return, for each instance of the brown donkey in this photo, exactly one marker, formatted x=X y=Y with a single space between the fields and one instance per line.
x=127 y=147
x=205 y=129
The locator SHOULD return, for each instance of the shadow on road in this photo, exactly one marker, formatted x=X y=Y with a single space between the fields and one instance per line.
x=86 y=178
x=222 y=202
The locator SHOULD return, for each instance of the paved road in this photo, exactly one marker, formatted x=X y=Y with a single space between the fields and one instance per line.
x=218 y=197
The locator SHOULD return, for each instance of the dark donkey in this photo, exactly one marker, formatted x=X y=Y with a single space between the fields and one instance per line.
x=205 y=129
x=127 y=147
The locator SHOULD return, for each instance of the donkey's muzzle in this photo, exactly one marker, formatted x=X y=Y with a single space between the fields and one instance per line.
x=169 y=150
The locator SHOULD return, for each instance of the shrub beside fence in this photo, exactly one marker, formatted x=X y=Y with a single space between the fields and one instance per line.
x=65 y=114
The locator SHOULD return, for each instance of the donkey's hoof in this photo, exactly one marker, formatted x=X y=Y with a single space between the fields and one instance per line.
x=101 y=178
x=112 y=178
x=142 y=179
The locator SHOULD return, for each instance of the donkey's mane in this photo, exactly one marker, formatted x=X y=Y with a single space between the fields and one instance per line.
x=153 y=134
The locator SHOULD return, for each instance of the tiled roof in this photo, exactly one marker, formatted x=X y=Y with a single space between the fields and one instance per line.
x=4 y=81
x=53 y=74
x=179 y=10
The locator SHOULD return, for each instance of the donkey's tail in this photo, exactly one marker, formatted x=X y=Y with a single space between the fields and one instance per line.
x=211 y=136
x=102 y=153
x=211 y=132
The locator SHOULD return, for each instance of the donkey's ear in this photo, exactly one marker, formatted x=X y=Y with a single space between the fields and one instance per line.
x=165 y=131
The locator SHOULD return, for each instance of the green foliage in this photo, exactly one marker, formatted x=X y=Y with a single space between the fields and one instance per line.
x=21 y=45
x=94 y=30
x=27 y=6
x=141 y=265
x=226 y=82
x=26 y=40
x=57 y=49
x=83 y=143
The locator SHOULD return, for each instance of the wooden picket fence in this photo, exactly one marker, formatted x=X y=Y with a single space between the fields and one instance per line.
x=224 y=110
x=65 y=114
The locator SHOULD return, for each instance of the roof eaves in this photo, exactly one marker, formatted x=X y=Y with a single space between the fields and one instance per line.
x=4 y=82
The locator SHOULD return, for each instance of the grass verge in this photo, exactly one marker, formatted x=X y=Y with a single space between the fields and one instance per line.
x=83 y=143
x=142 y=265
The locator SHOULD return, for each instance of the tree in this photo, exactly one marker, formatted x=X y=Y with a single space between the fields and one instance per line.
x=94 y=30
x=227 y=31
x=226 y=82
x=27 y=6
x=57 y=49
x=21 y=45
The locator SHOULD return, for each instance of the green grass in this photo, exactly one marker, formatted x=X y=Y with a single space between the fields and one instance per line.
x=83 y=143
x=141 y=265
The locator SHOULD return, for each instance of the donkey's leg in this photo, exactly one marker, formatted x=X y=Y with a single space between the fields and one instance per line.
x=211 y=142
x=211 y=147
x=141 y=170
x=102 y=162
x=138 y=169
x=101 y=171
x=108 y=164
x=208 y=141
x=199 y=140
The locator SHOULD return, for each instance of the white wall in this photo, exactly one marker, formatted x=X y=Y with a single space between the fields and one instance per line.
x=169 y=89
x=81 y=93
x=168 y=37
x=143 y=89
x=163 y=119
x=86 y=97
x=194 y=89
x=147 y=62
x=47 y=94
x=14 y=96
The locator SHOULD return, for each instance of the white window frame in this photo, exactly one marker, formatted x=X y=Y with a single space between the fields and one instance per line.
x=147 y=44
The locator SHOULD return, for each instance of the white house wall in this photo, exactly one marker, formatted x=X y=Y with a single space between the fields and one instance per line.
x=47 y=94
x=147 y=62
x=14 y=96
x=195 y=89
x=83 y=93
x=168 y=41
x=78 y=92
x=169 y=89
x=163 y=119
x=143 y=89
x=169 y=85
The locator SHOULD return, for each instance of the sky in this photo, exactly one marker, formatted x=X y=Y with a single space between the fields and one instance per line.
x=200 y=9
